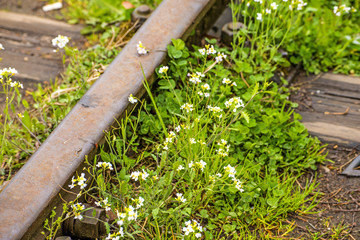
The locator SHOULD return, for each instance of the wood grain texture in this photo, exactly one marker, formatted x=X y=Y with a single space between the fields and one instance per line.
x=333 y=114
x=28 y=47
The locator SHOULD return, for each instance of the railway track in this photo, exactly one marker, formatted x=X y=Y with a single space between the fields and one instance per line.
x=34 y=191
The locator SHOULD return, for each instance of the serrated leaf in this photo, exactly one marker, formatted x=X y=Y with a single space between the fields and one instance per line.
x=245 y=116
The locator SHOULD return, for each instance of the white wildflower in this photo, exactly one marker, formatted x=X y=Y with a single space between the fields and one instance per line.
x=230 y=171
x=259 y=16
x=141 y=49
x=104 y=165
x=60 y=41
x=178 y=128
x=180 y=198
x=274 y=5
x=180 y=167
x=220 y=57
x=163 y=69
x=195 y=77
x=210 y=49
x=8 y=72
x=201 y=165
x=234 y=103
x=188 y=107
x=77 y=209
x=238 y=184
x=191 y=164
x=132 y=99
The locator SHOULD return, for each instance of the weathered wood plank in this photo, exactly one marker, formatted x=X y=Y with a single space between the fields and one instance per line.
x=334 y=133
x=28 y=46
x=333 y=114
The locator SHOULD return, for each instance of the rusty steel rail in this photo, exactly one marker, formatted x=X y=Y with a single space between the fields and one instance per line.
x=30 y=196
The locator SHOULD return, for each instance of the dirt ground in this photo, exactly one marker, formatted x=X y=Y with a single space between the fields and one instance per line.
x=338 y=211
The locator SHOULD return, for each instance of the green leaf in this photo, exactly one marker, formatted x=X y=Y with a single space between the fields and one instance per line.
x=244 y=67
x=229 y=228
x=173 y=52
x=204 y=213
x=26 y=120
x=245 y=116
x=25 y=103
x=178 y=44
x=273 y=202
x=155 y=212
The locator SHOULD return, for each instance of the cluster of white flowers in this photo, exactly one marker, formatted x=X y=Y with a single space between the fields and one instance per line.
x=227 y=81
x=163 y=69
x=1 y=47
x=202 y=51
x=234 y=103
x=141 y=49
x=180 y=198
x=274 y=6
x=79 y=181
x=230 y=171
x=77 y=209
x=193 y=227
x=136 y=175
x=180 y=167
x=204 y=87
x=187 y=107
x=201 y=165
x=192 y=141
x=130 y=214
x=139 y=202
x=195 y=77
x=104 y=165
x=223 y=149
x=178 y=128
x=104 y=204
x=8 y=72
x=238 y=184
x=16 y=84
x=60 y=41
x=343 y=9
x=298 y=4
x=132 y=99
x=217 y=111
x=208 y=50
x=116 y=235
x=294 y=4
x=169 y=140
x=212 y=178
x=220 y=57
